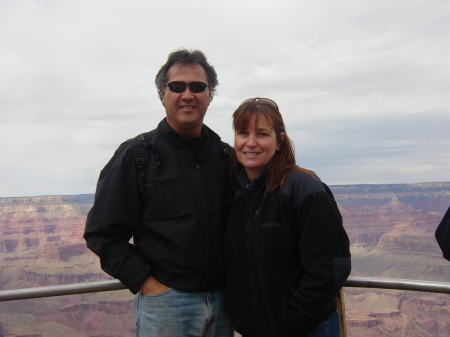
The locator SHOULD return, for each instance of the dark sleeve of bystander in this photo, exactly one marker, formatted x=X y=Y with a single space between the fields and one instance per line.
x=443 y=235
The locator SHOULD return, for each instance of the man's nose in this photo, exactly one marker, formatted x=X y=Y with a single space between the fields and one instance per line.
x=187 y=94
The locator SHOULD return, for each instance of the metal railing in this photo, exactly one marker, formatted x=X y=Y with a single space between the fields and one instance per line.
x=93 y=287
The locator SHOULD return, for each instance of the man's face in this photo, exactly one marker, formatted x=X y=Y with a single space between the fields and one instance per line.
x=185 y=111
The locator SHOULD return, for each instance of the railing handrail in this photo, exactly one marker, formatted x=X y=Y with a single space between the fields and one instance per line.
x=60 y=290
x=398 y=284
x=98 y=286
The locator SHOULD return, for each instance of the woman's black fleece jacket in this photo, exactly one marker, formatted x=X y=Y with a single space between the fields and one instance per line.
x=287 y=257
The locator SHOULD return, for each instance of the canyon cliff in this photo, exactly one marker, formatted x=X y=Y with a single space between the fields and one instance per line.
x=391 y=229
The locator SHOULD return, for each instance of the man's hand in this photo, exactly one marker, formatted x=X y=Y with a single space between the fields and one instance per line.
x=152 y=286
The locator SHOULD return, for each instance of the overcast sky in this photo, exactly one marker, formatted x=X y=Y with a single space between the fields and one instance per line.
x=363 y=85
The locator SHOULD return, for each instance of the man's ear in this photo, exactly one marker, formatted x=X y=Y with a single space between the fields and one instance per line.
x=211 y=96
x=162 y=97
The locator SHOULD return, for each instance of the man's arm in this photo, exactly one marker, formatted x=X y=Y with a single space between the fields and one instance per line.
x=114 y=219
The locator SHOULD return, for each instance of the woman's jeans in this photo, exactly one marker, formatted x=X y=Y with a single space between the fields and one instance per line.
x=329 y=327
x=175 y=313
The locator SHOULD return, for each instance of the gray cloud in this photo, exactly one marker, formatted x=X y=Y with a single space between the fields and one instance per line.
x=363 y=86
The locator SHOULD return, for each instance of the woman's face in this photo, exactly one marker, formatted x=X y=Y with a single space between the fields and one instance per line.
x=255 y=146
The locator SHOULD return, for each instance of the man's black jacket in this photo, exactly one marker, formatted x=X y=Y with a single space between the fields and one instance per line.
x=177 y=223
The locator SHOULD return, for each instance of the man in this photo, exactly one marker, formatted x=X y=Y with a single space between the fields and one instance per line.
x=442 y=235
x=174 y=208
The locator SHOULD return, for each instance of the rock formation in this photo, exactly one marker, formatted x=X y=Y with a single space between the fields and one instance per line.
x=391 y=228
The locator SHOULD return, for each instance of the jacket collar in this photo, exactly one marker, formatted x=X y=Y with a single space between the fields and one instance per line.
x=254 y=188
x=210 y=137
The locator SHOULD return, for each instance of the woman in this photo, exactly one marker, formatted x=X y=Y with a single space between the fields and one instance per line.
x=287 y=252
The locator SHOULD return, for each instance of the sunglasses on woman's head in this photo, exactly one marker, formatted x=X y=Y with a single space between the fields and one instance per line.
x=261 y=100
x=179 y=87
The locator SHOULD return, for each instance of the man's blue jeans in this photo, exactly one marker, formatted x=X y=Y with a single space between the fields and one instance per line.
x=175 y=313
x=329 y=327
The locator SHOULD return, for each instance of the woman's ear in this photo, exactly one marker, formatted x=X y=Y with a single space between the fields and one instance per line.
x=282 y=136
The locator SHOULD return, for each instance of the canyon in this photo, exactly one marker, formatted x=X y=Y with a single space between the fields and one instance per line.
x=391 y=230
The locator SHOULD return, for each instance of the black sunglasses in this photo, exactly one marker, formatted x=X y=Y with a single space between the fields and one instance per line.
x=179 y=87
x=261 y=100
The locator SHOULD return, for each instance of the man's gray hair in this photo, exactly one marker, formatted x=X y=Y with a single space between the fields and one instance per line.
x=184 y=56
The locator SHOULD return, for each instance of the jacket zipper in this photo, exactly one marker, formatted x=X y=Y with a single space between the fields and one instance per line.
x=197 y=166
x=251 y=246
